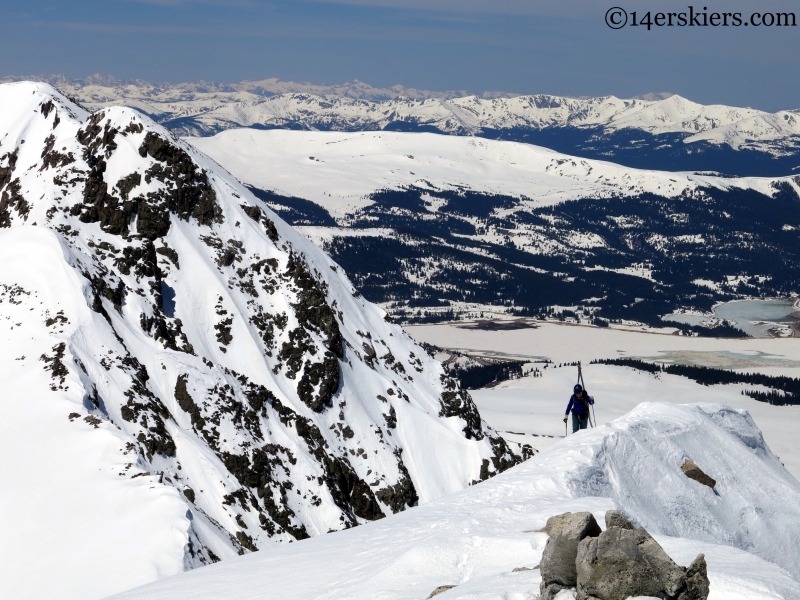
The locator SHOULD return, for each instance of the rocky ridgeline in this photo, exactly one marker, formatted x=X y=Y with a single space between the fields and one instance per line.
x=219 y=344
x=621 y=562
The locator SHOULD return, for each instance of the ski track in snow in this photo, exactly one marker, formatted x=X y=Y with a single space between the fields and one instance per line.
x=475 y=538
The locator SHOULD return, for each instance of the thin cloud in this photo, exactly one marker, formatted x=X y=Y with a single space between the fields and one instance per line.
x=222 y=3
x=499 y=7
x=120 y=28
x=553 y=8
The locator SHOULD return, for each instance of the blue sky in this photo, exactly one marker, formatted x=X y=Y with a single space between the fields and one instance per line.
x=523 y=46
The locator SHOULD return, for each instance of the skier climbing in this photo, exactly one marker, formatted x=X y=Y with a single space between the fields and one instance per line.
x=579 y=405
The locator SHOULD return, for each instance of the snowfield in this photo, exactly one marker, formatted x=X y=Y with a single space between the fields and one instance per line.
x=187 y=378
x=529 y=410
x=339 y=171
x=533 y=406
x=474 y=539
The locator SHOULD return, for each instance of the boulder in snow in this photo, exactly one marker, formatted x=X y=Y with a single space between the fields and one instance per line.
x=623 y=562
x=558 y=560
x=692 y=471
x=614 y=518
x=441 y=590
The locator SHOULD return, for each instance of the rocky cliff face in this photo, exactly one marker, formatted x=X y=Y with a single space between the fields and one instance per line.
x=228 y=364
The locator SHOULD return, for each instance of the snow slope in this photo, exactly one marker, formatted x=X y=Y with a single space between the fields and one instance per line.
x=187 y=378
x=476 y=538
x=339 y=170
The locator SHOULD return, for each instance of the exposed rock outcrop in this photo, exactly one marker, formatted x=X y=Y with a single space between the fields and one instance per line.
x=558 y=560
x=621 y=562
x=692 y=471
x=199 y=328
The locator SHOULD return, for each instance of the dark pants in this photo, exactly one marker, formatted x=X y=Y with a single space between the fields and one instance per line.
x=579 y=421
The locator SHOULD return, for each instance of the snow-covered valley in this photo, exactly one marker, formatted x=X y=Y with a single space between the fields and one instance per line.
x=438 y=227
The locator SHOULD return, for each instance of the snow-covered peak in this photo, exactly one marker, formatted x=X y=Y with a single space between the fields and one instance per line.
x=197 y=377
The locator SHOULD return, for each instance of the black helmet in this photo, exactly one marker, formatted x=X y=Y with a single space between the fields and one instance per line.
x=578 y=388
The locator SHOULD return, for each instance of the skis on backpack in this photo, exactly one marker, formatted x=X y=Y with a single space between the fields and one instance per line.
x=588 y=406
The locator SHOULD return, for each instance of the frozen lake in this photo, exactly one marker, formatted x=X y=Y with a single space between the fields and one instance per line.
x=570 y=343
x=754 y=317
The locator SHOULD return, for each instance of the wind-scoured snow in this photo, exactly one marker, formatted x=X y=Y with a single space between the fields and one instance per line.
x=339 y=171
x=186 y=377
x=748 y=527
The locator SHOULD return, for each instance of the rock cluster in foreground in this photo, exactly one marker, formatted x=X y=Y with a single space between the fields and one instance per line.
x=621 y=562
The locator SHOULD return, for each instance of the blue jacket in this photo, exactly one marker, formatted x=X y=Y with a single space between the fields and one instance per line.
x=577 y=406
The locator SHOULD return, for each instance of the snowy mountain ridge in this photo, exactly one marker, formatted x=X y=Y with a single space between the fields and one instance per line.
x=356 y=106
x=103 y=88
x=196 y=378
x=486 y=543
x=716 y=124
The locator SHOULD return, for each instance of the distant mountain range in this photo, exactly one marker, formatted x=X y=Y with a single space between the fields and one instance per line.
x=656 y=131
x=97 y=87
